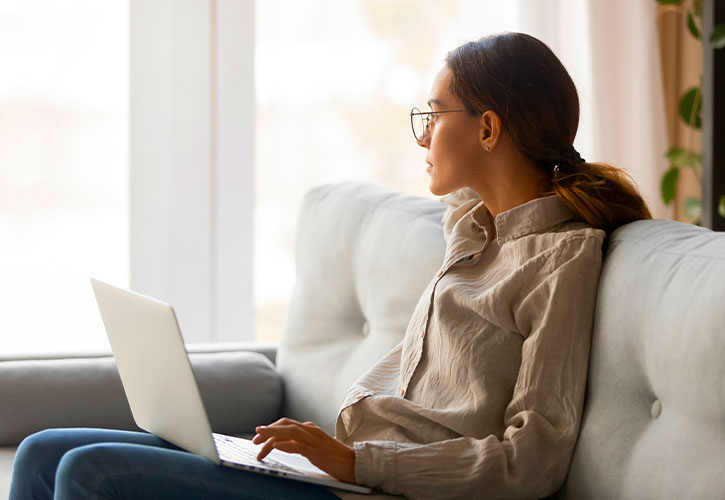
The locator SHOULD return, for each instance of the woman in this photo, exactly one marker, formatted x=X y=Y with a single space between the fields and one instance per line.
x=483 y=397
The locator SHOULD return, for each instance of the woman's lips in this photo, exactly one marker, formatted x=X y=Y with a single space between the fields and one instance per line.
x=430 y=166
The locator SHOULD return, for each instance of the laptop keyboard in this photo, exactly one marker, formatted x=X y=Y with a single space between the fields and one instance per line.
x=244 y=452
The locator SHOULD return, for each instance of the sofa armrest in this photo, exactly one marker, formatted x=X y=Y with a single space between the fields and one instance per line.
x=240 y=390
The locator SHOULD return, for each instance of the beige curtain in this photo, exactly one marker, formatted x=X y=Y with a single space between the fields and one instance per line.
x=681 y=58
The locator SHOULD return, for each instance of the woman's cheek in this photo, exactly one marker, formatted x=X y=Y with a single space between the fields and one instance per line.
x=435 y=148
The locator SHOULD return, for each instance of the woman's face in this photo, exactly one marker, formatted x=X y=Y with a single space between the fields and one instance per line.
x=455 y=151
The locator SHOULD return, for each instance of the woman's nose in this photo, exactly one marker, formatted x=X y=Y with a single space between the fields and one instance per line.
x=425 y=141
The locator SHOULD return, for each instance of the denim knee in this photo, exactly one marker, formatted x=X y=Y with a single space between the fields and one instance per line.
x=34 y=466
x=35 y=451
x=81 y=472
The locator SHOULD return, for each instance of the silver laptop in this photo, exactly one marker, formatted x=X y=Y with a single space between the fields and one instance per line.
x=163 y=395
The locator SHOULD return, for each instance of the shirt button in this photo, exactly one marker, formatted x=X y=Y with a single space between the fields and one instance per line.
x=402 y=392
x=439 y=274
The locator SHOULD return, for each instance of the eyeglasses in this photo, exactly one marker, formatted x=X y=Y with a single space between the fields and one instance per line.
x=419 y=120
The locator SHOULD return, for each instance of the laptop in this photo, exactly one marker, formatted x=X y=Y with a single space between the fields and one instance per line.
x=164 y=397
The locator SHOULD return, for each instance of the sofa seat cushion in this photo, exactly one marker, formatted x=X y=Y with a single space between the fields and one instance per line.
x=6 y=469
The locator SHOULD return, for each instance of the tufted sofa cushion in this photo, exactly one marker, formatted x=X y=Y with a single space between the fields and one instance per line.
x=654 y=418
x=364 y=254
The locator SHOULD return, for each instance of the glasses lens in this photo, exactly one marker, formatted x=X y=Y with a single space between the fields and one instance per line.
x=418 y=123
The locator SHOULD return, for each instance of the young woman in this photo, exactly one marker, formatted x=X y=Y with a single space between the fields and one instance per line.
x=483 y=397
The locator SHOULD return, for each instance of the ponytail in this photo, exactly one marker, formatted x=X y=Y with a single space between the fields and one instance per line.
x=602 y=195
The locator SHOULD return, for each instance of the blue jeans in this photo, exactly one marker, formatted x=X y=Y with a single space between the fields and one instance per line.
x=103 y=464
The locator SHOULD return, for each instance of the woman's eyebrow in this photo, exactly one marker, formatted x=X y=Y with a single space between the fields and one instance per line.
x=433 y=101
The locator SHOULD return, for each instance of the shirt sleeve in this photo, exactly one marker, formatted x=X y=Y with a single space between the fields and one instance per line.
x=555 y=316
x=458 y=203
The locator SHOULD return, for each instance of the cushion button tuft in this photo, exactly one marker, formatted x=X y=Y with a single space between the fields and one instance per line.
x=656 y=408
x=366 y=329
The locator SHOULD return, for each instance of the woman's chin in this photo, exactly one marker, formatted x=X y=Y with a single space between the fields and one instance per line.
x=435 y=186
x=435 y=190
x=439 y=190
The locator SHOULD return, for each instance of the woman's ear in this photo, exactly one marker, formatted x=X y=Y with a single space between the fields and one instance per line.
x=490 y=130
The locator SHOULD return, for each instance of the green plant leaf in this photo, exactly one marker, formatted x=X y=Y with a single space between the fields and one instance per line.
x=669 y=183
x=717 y=38
x=721 y=206
x=669 y=2
x=691 y=106
x=693 y=207
x=692 y=26
x=681 y=157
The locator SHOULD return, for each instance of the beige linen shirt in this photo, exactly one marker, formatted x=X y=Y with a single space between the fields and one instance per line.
x=483 y=397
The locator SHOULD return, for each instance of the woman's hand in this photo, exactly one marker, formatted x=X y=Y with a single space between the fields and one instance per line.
x=324 y=451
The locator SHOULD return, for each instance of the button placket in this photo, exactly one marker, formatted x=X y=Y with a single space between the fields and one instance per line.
x=413 y=357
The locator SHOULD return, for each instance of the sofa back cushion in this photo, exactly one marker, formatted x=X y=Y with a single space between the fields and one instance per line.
x=364 y=255
x=87 y=392
x=654 y=416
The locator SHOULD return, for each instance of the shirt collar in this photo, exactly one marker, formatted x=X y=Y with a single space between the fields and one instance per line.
x=534 y=216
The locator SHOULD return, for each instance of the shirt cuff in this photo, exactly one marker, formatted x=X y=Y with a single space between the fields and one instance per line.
x=376 y=465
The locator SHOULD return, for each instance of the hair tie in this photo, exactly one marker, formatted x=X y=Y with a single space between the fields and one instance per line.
x=572 y=157
x=569 y=160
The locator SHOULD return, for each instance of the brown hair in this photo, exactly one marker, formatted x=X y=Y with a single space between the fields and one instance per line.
x=521 y=79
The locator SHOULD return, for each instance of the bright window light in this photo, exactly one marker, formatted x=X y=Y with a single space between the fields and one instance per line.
x=63 y=170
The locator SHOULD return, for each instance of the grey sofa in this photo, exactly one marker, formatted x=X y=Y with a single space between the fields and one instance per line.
x=654 y=414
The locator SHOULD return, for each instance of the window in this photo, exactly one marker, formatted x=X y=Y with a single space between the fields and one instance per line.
x=63 y=170
x=167 y=146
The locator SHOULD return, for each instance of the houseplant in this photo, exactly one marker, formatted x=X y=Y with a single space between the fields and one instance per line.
x=689 y=109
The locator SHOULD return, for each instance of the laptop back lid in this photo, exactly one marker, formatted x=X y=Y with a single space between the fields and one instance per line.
x=155 y=369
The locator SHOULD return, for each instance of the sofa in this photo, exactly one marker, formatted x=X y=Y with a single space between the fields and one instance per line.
x=654 y=412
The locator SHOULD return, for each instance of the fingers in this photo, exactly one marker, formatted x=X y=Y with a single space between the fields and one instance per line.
x=270 y=445
x=289 y=435
x=307 y=439
x=290 y=421
x=287 y=432
x=285 y=421
x=286 y=446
